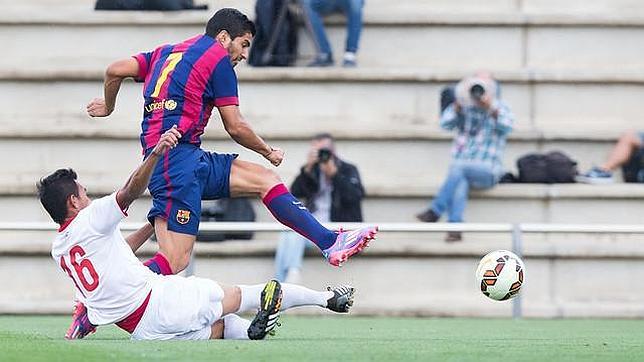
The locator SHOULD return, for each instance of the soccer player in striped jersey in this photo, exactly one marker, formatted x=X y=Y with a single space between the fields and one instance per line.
x=182 y=83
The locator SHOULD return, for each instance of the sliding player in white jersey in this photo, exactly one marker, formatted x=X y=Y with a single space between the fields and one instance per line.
x=115 y=287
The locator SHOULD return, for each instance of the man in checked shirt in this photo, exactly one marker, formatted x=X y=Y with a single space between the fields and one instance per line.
x=482 y=123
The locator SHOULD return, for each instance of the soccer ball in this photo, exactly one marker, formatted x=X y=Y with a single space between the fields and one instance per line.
x=501 y=274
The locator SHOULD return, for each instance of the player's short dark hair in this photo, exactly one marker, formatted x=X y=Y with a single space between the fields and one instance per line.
x=323 y=136
x=231 y=20
x=54 y=190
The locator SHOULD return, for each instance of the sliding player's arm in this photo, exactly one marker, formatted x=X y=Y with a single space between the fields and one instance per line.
x=114 y=75
x=139 y=237
x=140 y=178
x=242 y=133
x=106 y=212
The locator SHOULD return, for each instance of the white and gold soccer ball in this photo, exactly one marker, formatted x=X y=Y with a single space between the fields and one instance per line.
x=501 y=274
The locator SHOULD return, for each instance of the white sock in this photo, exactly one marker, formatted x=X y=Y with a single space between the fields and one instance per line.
x=293 y=296
x=250 y=295
x=235 y=327
x=298 y=296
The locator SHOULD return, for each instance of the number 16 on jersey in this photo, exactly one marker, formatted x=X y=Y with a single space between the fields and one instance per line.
x=85 y=272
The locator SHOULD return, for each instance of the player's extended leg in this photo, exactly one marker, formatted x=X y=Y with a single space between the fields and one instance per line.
x=250 y=179
x=176 y=188
x=268 y=300
x=338 y=299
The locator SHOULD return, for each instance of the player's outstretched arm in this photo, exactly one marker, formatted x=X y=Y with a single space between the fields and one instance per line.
x=139 y=237
x=138 y=181
x=242 y=133
x=114 y=75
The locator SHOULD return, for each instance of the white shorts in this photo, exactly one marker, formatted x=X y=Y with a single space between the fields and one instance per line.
x=180 y=308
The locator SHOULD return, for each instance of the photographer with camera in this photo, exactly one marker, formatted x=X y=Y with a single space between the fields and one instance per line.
x=332 y=191
x=482 y=123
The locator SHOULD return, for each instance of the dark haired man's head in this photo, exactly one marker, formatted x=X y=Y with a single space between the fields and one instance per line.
x=234 y=31
x=323 y=136
x=322 y=141
x=61 y=195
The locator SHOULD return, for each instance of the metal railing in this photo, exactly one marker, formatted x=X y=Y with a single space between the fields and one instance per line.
x=517 y=231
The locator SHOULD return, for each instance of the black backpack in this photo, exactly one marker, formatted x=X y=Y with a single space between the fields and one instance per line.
x=552 y=167
x=238 y=209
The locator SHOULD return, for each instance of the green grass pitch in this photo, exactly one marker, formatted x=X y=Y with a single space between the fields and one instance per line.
x=39 y=338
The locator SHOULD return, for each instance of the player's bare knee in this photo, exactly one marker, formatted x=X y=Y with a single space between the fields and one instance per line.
x=235 y=294
x=632 y=137
x=270 y=179
x=232 y=299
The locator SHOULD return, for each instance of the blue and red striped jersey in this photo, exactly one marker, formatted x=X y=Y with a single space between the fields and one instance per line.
x=182 y=84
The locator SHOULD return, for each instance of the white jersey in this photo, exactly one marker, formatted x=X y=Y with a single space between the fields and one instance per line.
x=109 y=279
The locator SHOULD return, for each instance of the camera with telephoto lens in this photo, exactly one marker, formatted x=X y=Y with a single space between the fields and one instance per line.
x=324 y=154
x=470 y=91
x=477 y=90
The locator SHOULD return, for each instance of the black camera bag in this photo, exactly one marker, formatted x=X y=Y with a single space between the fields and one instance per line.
x=552 y=167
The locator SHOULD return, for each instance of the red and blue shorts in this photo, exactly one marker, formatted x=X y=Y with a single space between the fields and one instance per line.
x=182 y=178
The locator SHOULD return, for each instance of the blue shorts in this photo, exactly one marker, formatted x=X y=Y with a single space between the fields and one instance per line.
x=182 y=178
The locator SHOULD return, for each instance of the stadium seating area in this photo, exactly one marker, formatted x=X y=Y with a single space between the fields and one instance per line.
x=571 y=71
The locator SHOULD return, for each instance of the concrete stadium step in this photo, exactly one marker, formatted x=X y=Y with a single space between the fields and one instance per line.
x=557 y=283
x=388 y=167
x=620 y=7
x=578 y=204
x=87 y=40
x=362 y=103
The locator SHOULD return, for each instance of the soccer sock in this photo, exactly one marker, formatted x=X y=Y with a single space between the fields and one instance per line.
x=290 y=212
x=298 y=296
x=235 y=327
x=159 y=264
x=250 y=295
x=292 y=296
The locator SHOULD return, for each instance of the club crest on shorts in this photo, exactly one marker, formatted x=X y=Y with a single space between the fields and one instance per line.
x=183 y=217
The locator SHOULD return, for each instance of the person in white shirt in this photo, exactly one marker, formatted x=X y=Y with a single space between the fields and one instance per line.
x=113 y=286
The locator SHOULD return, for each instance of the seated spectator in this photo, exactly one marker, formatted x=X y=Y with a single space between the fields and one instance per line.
x=331 y=189
x=482 y=122
x=352 y=9
x=627 y=146
x=155 y=5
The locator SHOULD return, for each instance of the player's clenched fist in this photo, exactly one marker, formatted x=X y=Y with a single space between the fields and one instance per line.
x=168 y=140
x=276 y=156
x=98 y=108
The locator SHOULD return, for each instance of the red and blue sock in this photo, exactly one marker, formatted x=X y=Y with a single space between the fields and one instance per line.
x=290 y=212
x=159 y=264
